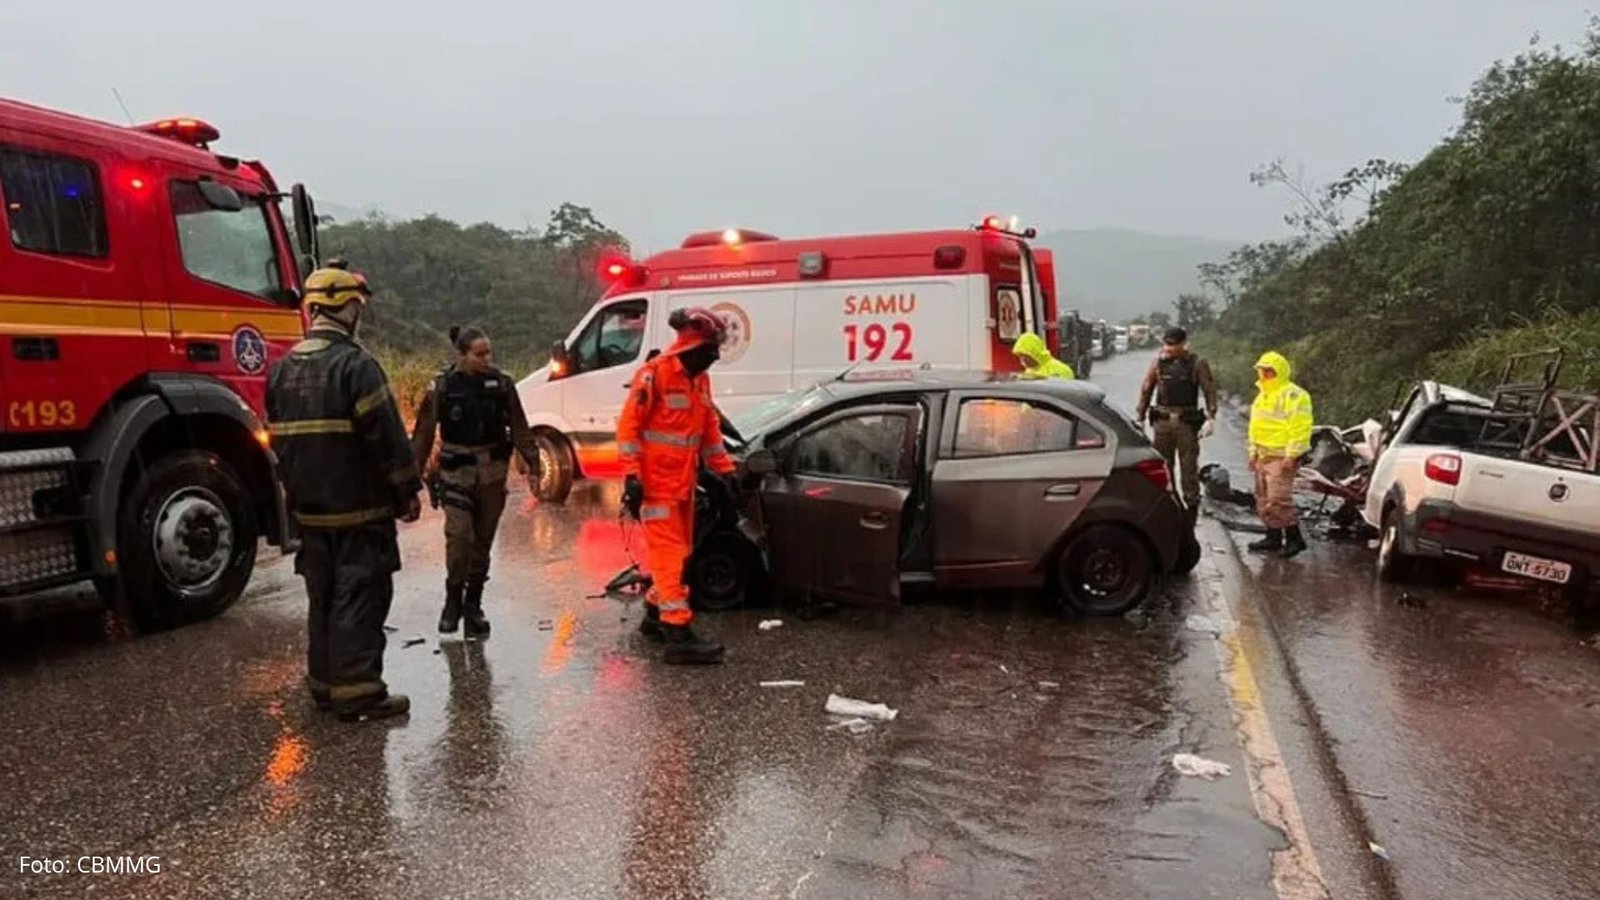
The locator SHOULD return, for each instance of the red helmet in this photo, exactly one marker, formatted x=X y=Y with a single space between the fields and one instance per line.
x=699 y=322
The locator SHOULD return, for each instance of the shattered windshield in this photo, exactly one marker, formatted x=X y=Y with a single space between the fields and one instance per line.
x=760 y=419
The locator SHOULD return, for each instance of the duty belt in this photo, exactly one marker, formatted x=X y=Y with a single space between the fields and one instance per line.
x=455 y=456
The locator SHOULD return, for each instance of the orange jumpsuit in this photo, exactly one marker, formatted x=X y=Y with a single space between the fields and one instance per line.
x=668 y=428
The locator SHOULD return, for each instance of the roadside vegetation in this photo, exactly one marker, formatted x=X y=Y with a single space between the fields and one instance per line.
x=525 y=287
x=1488 y=245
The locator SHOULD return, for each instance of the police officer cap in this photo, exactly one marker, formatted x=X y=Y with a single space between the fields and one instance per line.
x=1175 y=335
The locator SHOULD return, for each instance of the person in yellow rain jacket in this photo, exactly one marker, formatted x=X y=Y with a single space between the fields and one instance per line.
x=1036 y=360
x=1280 y=433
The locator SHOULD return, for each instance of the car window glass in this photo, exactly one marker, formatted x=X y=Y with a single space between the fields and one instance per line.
x=233 y=248
x=612 y=338
x=866 y=447
x=994 y=427
x=1446 y=427
x=52 y=204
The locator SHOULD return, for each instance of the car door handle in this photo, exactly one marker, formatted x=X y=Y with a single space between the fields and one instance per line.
x=204 y=351
x=876 y=521
x=1061 y=491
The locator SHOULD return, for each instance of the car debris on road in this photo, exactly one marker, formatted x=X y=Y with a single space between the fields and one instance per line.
x=844 y=706
x=1192 y=766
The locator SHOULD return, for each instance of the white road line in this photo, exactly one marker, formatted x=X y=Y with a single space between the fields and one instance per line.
x=1295 y=872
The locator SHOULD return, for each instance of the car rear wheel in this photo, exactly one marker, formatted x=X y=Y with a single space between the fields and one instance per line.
x=1104 y=571
x=1394 y=566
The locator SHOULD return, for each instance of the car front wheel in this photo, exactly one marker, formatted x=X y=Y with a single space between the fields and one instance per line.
x=1104 y=571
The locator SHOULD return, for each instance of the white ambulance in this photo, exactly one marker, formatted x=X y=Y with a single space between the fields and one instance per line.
x=800 y=311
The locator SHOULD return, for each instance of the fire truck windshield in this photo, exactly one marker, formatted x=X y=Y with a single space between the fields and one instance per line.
x=233 y=248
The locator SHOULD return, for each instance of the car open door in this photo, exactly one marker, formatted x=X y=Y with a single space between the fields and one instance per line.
x=834 y=513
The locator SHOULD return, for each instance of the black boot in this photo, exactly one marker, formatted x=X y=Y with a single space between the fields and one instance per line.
x=450 y=619
x=321 y=697
x=1272 y=543
x=1294 y=543
x=386 y=706
x=472 y=609
x=650 y=625
x=685 y=648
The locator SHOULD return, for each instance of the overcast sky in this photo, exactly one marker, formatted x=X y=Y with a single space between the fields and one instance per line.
x=815 y=117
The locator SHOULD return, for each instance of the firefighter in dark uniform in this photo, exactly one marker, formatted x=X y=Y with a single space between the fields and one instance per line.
x=1177 y=381
x=348 y=473
x=480 y=421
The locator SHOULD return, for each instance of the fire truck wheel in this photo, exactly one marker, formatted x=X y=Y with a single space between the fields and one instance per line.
x=187 y=538
x=556 y=468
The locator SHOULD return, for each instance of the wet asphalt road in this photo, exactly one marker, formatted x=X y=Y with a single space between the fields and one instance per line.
x=1030 y=758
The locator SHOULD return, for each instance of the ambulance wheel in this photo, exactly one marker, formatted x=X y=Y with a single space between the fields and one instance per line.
x=720 y=573
x=557 y=469
x=186 y=540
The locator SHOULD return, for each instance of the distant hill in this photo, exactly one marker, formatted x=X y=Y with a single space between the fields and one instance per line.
x=1115 y=274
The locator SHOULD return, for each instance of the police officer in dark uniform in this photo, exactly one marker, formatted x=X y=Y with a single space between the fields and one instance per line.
x=1177 y=381
x=476 y=411
x=348 y=473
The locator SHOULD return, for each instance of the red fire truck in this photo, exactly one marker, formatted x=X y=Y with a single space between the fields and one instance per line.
x=146 y=286
x=800 y=312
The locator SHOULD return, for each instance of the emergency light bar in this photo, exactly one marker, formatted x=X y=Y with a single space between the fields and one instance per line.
x=193 y=132
x=727 y=237
x=1012 y=226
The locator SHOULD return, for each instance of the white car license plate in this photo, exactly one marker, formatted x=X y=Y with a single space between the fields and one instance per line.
x=1537 y=567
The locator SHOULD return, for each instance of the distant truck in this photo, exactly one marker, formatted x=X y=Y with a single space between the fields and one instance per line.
x=1452 y=481
x=1139 y=335
x=147 y=282
x=1077 y=343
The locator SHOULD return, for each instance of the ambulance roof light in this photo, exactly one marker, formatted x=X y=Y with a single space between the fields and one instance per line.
x=193 y=132
x=1002 y=225
x=621 y=270
x=727 y=237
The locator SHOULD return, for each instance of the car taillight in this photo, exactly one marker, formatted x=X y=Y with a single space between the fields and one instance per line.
x=1444 y=468
x=1156 y=471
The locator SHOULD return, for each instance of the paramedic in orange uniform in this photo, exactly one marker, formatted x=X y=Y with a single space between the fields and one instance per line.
x=668 y=429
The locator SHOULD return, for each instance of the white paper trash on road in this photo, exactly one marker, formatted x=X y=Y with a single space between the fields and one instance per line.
x=1204 y=624
x=1200 y=767
x=769 y=624
x=844 y=706
x=783 y=683
x=854 y=726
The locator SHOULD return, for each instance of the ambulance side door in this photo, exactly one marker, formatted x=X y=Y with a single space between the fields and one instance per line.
x=604 y=355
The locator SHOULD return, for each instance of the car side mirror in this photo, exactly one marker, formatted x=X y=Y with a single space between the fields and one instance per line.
x=560 y=362
x=762 y=463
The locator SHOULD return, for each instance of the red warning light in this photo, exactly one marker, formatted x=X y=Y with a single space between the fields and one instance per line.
x=994 y=223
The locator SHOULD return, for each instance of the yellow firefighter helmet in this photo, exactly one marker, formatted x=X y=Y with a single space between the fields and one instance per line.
x=335 y=285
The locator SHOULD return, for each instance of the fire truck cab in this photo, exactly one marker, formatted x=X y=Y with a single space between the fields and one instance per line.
x=146 y=285
x=800 y=311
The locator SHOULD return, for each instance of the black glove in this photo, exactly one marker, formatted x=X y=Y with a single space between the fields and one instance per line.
x=632 y=496
x=734 y=487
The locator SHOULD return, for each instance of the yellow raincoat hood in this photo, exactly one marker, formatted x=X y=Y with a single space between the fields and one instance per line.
x=1037 y=359
x=1279 y=363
